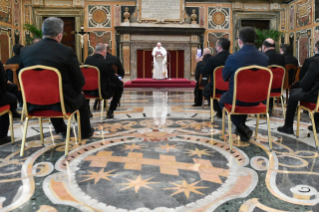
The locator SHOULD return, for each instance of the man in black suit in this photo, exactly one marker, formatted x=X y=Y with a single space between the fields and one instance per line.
x=289 y=58
x=307 y=91
x=114 y=61
x=201 y=61
x=308 y=61
x=6 y=98
x=14 y=60
x=268 y=48
x=111 y=84
x=222 y=49
x=49 y=52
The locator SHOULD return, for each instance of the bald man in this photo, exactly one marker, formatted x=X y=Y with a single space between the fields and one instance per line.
x=201 y=61
x=268 y=48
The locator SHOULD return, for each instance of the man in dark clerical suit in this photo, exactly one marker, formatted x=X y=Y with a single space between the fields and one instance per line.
x=201 y=61
x=14 y=60
x=307 y=91
x=222 y=49
x=49 y=52
x=289 y=58
x=268 y=48
x=111 y=85
x=246 y=56
x=115 y=61
x=6 y=98
x=308 y=61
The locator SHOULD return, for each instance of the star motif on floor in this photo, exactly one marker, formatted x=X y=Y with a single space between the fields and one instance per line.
x=132 y=147
x=137 y=184
x=186 y=188
x=198 y=152
x=168 y=147
x=97 y=176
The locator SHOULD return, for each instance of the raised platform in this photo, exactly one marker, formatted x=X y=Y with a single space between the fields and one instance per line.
x=151 y=83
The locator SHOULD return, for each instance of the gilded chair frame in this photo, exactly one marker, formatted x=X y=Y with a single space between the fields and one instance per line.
x=11 y=123
x=100 y=92
x=64 y=114
x=213 y=97
x=199 y=83
x=232 y=112
x=311 y=114
x=281 y=92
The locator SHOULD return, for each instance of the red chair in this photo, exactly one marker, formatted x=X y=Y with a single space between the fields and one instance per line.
x=219 y=84
x=251 y=84
x=42 y=85
x=92 y=82
x=278 y=73
x=312 y=108
x=4 y=110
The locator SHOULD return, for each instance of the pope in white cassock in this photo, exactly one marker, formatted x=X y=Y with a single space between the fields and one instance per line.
x=160 y=60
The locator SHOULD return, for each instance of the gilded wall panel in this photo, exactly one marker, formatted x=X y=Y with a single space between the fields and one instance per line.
x=218 y=18
x=5 y=11
x=99 y=16
x=304 y=13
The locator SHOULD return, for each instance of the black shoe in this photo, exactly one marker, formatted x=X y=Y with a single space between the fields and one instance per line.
x=219 y=114
x=88 y=135
x=285 y=129
x=110 y=114
x=5 y=140
x=196 y=105
x=242 y=136
x=310 y=128
x=244 y=132
x=16 y=115
x=91 y=115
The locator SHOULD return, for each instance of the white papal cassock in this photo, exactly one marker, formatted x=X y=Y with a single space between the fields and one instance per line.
x=160 y=67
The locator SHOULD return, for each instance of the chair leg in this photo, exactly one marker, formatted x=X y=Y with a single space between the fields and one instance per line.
x=79 y=127
x=203 y=102
x=41 y=130
x=223 y=125
x=11 y=127
x=22 y=113
x=106 y=105
x=269 y=133
x=102 y=109
x=298 y=121
x=273 y=105
x=257 y=124
x=283 y=108
x=314 y=129
x=68 y=136
x=212 y=109
x=287 y=93
x=230 y=132
x=24 y=136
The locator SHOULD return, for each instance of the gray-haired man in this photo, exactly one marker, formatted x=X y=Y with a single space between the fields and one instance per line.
x=49 y=52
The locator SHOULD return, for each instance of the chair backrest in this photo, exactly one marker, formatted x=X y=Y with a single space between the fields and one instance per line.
x=252 y=84
x=290 y=68
x=297 y=75
x=219 y=82
x=204 y=79
x=92 y=78
x=13 y=68
x=278 y=73
x=41 y=85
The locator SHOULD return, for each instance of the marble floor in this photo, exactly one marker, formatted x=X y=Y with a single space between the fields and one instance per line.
x=160 y=154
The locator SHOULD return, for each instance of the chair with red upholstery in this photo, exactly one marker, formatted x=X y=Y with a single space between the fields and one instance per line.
x=278 y=73
x=251 y=84
x=202 y=82
x=92 y=82
x=219 y=84
x=49 y=81
x=4 y=110
x=312 y=108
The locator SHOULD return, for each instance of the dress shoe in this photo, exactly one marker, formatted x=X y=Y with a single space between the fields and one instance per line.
x=5 y=140
x=88 y=135
x=244 y=132
x=310 y=128
x=242 y=136
x=196 y=105
x=110 y=114
x=285 y=129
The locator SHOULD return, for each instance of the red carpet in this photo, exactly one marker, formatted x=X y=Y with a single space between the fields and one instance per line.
x=150 y=83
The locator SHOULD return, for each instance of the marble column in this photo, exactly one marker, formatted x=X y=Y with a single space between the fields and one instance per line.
x=126 y=48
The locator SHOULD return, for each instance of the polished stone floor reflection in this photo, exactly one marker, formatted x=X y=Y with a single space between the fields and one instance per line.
x=161 y=154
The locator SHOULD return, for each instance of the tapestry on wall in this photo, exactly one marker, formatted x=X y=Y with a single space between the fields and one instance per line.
x=303 y=13
x=98 y=37
x=303 y=45
x=5 y=11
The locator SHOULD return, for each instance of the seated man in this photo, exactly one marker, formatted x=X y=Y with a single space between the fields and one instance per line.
x=308 y=91
x=246 y=56
x=222 y=49
x=49 y=52
x=111 y=85
x=113 y=60
x=201 y=61
x=268 y=48
x=289 y=60
x=14 y=60
x=5 y=99
x=308 y=61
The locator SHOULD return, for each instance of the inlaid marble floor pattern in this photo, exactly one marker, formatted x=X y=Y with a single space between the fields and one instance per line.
x=160 y=154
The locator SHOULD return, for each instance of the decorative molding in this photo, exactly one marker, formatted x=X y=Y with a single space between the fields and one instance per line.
x=291 y=17
x=218 y=18
x=283 y=19
x=303 y=13
x=99 y=16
